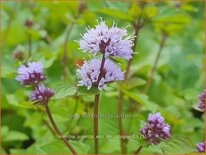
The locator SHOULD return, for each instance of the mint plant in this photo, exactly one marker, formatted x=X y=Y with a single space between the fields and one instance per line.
x=32 y=75
x=96 y=73
x=128 y=84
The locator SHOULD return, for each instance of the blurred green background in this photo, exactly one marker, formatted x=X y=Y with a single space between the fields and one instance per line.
x=178 y=80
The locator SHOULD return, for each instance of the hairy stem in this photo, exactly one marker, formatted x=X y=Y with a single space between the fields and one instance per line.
x=120 y=98
x=96 y=106
x=154 y=67
x=138 y=150
x=65 y=56
x=58 y=131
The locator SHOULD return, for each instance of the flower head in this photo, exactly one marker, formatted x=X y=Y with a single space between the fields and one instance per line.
x=200 y=147
x=89 y=73
x=31 y=74
x=42 y=94
x=156 y=129
x=112 y=41
x=202 y=103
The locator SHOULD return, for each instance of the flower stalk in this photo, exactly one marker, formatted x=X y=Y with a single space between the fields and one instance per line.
x=138 y=150
x=96 y=112
x=32 y=74
x=57 y=130
x=112 y=41
x=96 y=108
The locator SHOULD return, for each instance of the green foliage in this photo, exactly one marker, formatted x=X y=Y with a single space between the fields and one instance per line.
x=174 y=90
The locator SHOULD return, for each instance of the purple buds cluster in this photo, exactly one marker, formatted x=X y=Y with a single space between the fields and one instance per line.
x=112 y=41
x=155 y=129
x=33 y=74
x=201 y=147
x=202 y=100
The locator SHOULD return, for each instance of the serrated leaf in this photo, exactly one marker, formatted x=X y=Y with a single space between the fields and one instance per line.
x=177 y=145
x=63 y=91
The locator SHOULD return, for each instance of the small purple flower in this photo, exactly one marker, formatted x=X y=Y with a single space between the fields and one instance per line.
x=112 y=41
x=42 y=94
x=202 y=103
x=200 y=147
x=90 y=70
x=156 y=129
x=31 y=74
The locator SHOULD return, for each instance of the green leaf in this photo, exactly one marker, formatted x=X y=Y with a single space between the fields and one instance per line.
x=55 y=147
x=58 y=146
x=189 y=8
x=116 y=13
x=133 y=96
x=33 y=149
x=4 y=130
x=142 y=142
x=134 y=11
x=179 y=18
x=84 y=90
x=80 y=147
x=63 y=91
x=18 y=100
x=134 y=82
x=177 y=145
x=8 y=72
x=110 y=146
x=15 y=136
x=151 y=11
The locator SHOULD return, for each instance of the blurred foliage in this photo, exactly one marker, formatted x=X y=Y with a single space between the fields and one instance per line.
x=176 y=84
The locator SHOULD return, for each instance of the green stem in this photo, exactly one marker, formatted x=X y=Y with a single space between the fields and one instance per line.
x=154 y=67
x=65 y=56
x=138 y=150
x=58 y=131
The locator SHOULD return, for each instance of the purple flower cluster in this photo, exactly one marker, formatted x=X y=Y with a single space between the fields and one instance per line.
x=89 y=73
x=201 y=147
x=42 y=94
x=33 y=74
x=112 y=41
x=202 y=103
x=156 y=129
